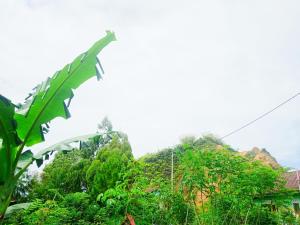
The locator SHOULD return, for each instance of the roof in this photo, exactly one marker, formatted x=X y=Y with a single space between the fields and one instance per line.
x=292 y=179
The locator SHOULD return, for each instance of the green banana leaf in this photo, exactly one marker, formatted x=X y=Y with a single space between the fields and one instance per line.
x=17 y=207
x=8 y=138
x=48 y=100
x=25 y=158
x=67 y=145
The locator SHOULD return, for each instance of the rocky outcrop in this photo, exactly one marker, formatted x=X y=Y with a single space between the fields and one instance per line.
x=262 y=155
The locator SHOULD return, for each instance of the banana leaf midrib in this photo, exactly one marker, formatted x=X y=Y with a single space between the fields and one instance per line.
x=44 y=107
x=7 y=145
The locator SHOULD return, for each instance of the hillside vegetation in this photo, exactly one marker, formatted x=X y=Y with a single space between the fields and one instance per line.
x=212 y=184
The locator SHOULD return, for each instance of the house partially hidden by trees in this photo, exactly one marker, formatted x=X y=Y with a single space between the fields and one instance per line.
x=293 y=185
x=290 y=197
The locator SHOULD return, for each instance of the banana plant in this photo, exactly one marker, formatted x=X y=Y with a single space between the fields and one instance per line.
x=24 y=125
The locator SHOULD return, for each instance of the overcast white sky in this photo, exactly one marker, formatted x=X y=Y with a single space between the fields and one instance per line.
x=178 y=68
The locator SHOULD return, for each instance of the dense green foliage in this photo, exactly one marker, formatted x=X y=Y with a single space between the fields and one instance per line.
x=225 y=185
x=65 y=175
x=25 y=124
x=109 y=165
x=105 y=185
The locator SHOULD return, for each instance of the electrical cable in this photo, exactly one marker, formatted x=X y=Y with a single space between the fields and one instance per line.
x=260 y=117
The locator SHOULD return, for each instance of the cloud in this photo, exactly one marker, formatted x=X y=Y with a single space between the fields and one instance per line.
x=177 y=68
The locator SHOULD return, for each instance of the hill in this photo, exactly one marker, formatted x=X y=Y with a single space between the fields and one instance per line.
x=261 y=155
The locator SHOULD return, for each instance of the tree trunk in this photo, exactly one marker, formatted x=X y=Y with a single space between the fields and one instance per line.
x=4 y=203
x=6 y=191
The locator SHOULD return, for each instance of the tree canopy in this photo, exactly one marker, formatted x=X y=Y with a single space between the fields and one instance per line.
x=213 y=184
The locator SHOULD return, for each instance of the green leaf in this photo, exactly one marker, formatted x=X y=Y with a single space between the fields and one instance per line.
x=15 y=208
x=39 y=162
x=65 y=145
x=24 y=159
x=8 y=138
x=48 y=101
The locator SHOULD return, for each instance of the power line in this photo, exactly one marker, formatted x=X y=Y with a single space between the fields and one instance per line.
x=260 y=117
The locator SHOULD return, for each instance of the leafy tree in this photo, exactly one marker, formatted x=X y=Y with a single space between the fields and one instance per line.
x=66 y=174
x=206 y=141
x=158 y=165
x=223 y=186
x=147 y=201
x=25 y=125
x=110 y=162
x=105 y=126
